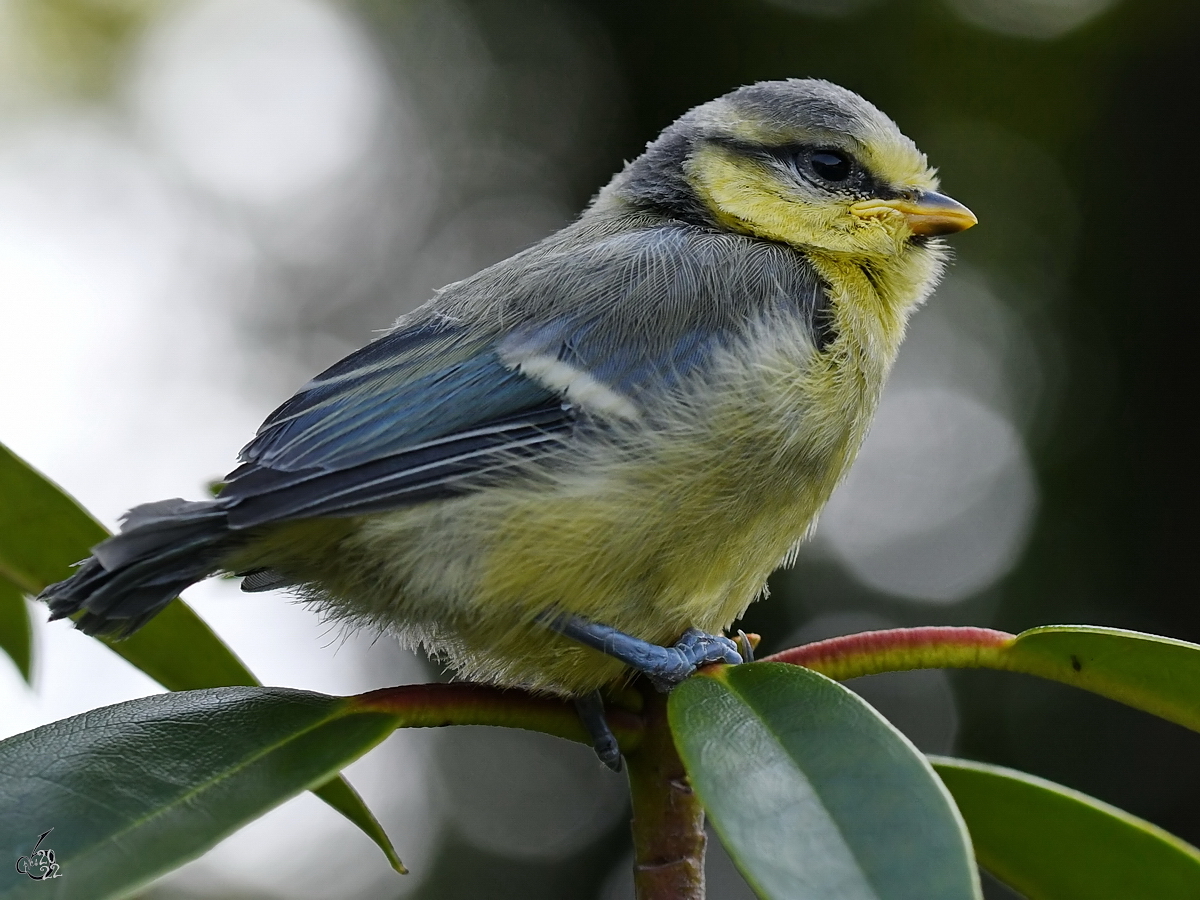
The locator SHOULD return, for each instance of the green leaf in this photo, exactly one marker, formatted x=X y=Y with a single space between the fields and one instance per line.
x=16 y=632
x=1156 y=674
x=43 y=531
x=178 y=650
x=1052 y=843
x=341 y=795
x=815 y=795
x=136 y=789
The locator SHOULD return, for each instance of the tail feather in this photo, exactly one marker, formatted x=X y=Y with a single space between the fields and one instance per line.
x=162 y=548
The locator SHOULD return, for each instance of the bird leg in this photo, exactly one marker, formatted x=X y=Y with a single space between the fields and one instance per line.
x=591 y=713
x=664 y=666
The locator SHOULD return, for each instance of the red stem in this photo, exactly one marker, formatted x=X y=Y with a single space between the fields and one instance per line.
x=668 y=821
x=435 y=705
x=897 y=649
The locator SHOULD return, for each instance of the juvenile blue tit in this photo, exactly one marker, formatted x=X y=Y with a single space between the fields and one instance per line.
x=585 y=460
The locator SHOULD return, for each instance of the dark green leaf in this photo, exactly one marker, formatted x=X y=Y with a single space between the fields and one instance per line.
x=136 y=789
x=43 y=532
x=16 y=633
x=1052 y=843
x=1157 y=674
x=815 y=795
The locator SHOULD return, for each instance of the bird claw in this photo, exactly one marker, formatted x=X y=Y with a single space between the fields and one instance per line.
x=745 y=647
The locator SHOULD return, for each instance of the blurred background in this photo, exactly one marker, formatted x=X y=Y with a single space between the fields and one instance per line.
x=203 y=202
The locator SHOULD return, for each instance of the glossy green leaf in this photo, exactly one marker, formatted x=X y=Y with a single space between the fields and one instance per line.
x=1052 y=843
x=136 y=789
x=43 y=531
x=815 y=795
x=16 y=632
x=178 y=650
x=1157 y=674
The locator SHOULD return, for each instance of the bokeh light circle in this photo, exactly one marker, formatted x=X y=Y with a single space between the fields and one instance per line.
x=260 y=100
x=1041 y=19
x=938 y=505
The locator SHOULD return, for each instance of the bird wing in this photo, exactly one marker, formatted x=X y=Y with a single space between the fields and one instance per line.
x=463 y=390
x=409 y=417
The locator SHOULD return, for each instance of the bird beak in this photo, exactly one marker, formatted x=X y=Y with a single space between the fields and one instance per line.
x=928 y=214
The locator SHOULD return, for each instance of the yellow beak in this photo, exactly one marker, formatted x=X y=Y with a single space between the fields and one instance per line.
x=928 y=214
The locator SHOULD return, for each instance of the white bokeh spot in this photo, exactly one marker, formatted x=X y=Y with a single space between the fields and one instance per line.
x=939 y=504
x=1040 y=19
x=260 y=100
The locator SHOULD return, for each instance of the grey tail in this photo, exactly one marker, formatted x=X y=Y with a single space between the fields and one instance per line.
x=163 y=548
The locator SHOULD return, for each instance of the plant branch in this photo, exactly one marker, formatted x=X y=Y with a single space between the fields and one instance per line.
x=435 y=705
x=668 y=820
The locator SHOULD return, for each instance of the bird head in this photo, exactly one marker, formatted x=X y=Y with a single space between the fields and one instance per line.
x=800 y=161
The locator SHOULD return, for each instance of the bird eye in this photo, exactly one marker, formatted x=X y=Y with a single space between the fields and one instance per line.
x=831 y=165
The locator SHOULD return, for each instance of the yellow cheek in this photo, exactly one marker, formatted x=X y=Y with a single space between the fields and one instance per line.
x=748 y=199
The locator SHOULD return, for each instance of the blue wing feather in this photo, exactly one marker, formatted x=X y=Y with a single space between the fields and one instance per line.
x=389 y=414
x=442 y=467
x=407 y=387
x=411 y=416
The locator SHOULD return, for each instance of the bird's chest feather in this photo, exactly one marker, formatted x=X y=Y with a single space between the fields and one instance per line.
x=785 y=421
x=777 y=422
x=690 y=514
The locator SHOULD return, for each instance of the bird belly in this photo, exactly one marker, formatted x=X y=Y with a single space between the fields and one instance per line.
x=468 y=579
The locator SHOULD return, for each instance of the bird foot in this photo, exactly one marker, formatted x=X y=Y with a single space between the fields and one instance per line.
x=664 y=666
x=694 y=649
